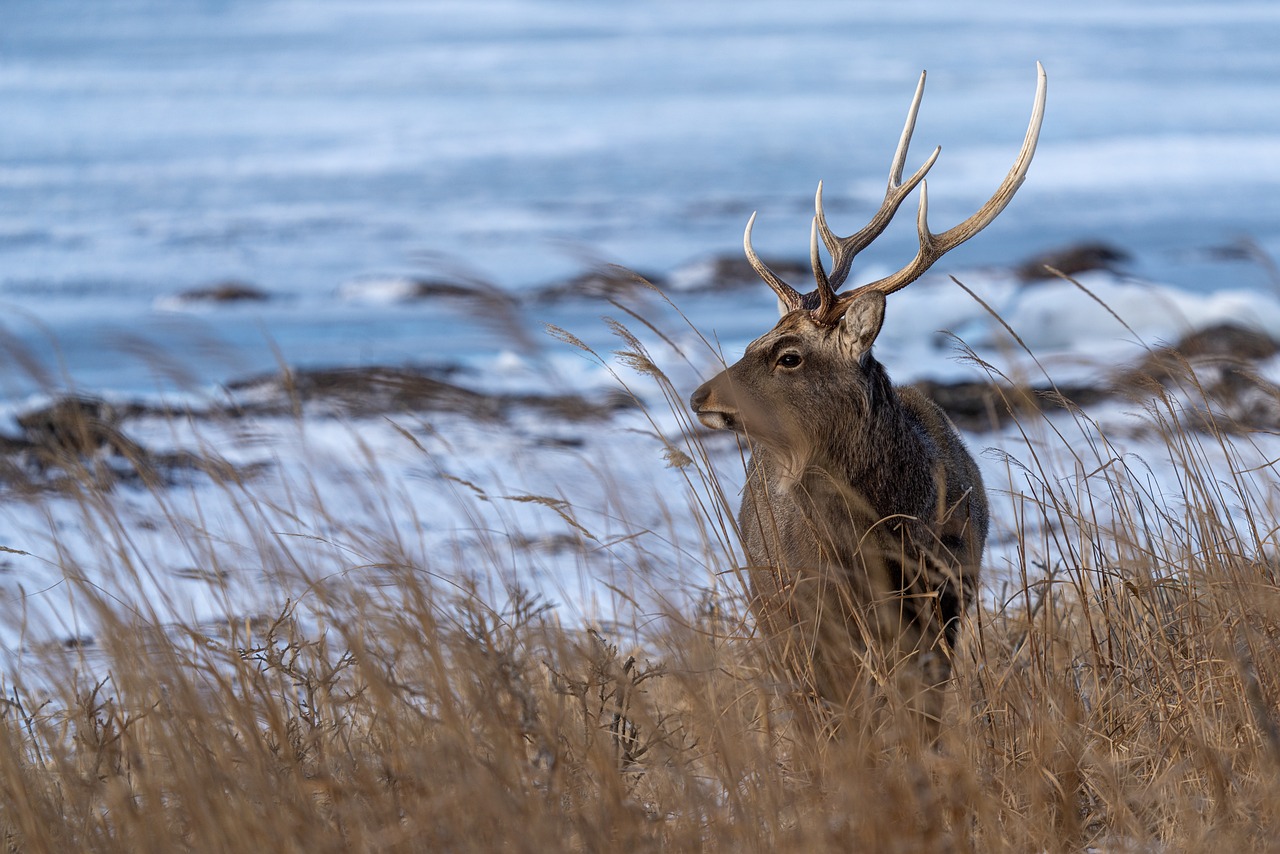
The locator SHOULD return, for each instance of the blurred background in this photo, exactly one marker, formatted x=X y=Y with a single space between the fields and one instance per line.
x=327 y=157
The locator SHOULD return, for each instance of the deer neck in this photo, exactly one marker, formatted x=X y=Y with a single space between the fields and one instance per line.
x=882 y=458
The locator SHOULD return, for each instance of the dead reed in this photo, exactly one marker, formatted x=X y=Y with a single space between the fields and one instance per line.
x=1116 y=691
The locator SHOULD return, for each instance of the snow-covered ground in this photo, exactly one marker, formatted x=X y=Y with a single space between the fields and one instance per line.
x=616 y=532
x=336 y=155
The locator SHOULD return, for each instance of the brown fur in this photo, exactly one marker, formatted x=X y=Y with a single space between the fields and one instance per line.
x=863 y=518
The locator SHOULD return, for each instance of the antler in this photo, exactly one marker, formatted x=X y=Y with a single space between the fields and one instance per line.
x=823 y=302
x=844 y=249
x=789 y=295
x=934 y=246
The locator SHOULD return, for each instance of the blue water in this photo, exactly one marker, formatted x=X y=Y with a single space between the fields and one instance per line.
x=147 y=147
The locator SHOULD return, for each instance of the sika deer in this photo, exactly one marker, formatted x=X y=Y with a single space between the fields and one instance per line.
x=864 y=516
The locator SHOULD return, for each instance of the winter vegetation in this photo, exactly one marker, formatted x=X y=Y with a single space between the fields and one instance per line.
x=390 y=681
x=312 y=537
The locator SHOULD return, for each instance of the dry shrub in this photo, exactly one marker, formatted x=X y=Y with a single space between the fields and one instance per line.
x=1118 y=695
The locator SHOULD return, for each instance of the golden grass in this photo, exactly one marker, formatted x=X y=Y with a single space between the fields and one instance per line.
x=1121 y=697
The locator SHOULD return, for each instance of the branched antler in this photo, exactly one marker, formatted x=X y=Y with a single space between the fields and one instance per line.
x=823 y=302
x=844 y=249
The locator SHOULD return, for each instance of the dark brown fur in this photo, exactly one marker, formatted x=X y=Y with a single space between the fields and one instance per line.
x=863 y=517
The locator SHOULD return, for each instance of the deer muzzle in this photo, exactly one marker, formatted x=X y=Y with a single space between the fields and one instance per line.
x=712 y=407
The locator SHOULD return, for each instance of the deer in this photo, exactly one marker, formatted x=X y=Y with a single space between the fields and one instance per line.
x=863 y=517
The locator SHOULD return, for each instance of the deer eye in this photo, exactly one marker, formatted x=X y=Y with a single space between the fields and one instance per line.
x=789 y=360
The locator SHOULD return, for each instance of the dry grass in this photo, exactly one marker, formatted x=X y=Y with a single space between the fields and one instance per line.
x=1121 y=697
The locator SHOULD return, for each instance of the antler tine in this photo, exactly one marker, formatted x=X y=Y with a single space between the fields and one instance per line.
x=789 y=295
x=934 y=246
x=826 y=293
x=844 y=249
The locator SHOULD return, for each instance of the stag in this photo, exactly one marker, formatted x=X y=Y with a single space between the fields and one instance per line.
x=863 y=516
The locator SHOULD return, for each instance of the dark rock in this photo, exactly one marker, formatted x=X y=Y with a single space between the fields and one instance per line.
x=562 y=442
x=981 y=406
x=477 y=296
x=382 y=389
x=196 y=573
x=74 y=425
x=1239 y=400
x=1213 y=368
x=553 y=543
x=445 y=289
x=353 y=391
x=605 y=283
x=1223 y=344
x=573 y=407
x=76 y=442
x=1071 y=261
x=225 y=292
x=1228 y=340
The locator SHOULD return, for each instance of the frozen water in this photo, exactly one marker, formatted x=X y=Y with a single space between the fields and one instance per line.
x=301 y=147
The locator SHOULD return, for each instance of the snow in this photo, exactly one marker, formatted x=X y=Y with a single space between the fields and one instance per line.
x=309 y=149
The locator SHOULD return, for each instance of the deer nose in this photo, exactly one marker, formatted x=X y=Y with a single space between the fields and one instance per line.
x=698 y=398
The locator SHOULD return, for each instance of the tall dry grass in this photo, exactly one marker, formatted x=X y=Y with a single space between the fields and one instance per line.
x=1118 y=694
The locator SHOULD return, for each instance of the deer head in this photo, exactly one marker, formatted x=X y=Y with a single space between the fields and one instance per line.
x=815 y=364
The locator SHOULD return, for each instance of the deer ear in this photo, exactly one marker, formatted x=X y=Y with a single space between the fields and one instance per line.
x=862 y=321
